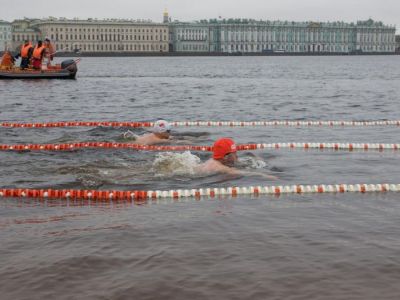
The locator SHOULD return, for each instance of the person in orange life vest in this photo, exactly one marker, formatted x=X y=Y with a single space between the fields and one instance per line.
x=7 y=60
x=50 y=51
x=224 y=159
x=25 y=53
x=37 y=55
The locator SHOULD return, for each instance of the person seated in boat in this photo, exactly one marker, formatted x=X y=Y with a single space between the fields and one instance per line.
x=49 y=51
x=224 y=160
x=7 y=60
x=37 y=55
x=161 y=133
x=25 y=54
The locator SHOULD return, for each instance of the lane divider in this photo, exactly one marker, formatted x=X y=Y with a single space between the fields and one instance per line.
x=242 y=147
x=277 y=123
x=76 y=124
x=101 y=145
x=197 y=193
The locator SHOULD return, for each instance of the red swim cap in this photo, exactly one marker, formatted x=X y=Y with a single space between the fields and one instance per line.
x=223 y=147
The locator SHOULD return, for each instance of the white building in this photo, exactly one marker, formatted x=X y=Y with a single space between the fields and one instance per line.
x=21 y=31
x=5 y=35
x=92 y=35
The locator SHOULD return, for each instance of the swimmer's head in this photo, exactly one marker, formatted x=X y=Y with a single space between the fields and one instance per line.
x=224 y=150
x=162 y=129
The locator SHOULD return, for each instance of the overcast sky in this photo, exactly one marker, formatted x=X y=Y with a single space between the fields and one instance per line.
x=387 y=11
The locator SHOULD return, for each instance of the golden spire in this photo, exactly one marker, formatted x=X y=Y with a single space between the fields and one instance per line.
x=166 y=16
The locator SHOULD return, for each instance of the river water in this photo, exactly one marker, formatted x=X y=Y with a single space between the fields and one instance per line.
x=337 y=246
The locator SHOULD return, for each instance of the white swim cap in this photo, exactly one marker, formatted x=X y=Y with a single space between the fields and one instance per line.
x=161 y=126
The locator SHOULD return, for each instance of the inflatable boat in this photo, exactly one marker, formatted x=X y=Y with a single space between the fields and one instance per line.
x=66 y=70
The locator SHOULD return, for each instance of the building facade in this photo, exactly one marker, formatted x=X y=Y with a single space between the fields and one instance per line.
x=94 y=35
x=189 y=37
x=23 y=30
x=250 y=36
x=5 y=35
x=257 y=36
x=215 y=36
x=398 y=43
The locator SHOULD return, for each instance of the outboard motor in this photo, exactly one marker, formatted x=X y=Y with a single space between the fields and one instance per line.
x=69 y=65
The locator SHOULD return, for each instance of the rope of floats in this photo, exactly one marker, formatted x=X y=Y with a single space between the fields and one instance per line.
x=242 y=147
x=283 y=123
x=197 y=193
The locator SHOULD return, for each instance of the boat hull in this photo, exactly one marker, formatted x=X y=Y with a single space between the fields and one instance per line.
x=66 y=70
x=32 y=74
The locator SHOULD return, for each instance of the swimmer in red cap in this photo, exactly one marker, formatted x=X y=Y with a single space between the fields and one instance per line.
x=161 y=133
x=224 y=159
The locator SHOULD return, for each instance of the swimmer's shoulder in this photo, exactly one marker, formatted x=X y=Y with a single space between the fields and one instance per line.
x=150 y=139
x=214 y=166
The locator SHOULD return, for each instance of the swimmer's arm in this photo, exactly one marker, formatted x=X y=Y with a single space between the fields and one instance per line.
x=173 y=141
x=130 y=135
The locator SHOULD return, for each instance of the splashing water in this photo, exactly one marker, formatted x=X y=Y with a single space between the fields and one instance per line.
x=168 y=163
x=251 y=162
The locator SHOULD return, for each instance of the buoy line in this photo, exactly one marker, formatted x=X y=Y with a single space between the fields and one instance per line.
x=197 y=193
x=272 y=123
x=240 y=147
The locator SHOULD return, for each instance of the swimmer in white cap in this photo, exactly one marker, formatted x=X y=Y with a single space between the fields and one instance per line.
x=161 y=133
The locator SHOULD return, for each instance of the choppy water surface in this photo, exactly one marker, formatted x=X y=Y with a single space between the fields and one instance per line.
x=292 y=247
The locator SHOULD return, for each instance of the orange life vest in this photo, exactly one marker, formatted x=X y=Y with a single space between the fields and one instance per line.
x=6 y=60
x=25 y=50
x=37 y=52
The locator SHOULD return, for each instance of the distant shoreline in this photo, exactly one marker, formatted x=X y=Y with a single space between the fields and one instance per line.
x=207 y=54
